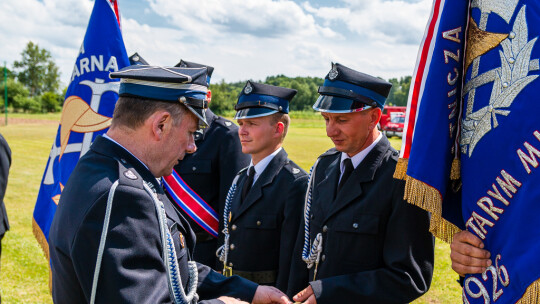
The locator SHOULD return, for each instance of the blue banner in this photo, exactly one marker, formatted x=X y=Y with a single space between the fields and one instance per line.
x=429 y=143
x=87 y=110
x=500 y=148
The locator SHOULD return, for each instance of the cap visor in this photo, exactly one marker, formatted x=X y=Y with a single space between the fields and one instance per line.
x=253 y=113
x=334 y=104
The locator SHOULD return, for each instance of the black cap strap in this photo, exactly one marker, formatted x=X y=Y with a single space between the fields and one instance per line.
x=194 y=102
x=258 y=104
x=325 y=90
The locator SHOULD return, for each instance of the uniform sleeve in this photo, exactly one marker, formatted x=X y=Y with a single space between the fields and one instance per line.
x=5 y=163
x=299 y=274
x=213 y=285
x=294 y=208
x=231 y=160
x=132 y=269
x=408 y=258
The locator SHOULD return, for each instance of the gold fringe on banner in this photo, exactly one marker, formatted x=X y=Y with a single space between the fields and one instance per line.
x=532 y=294
x=42 y=241
x=40 y=237
x=401 y=168
x=428 y=198
x=455 y=171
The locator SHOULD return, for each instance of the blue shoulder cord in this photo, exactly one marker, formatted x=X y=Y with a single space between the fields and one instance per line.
x=311 y=254
x=169 y=254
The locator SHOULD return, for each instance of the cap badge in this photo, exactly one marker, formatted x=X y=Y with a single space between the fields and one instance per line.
x=295 y=170
x=228 y=123
x=136 y=58
x=129 y=174
x=183 y=65
x=333 y=74
x=248 y=89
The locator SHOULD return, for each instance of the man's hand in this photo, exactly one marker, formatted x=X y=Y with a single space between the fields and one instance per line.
x=306 y=296
x=229 y=300
x=467 y=254
x=270 y=295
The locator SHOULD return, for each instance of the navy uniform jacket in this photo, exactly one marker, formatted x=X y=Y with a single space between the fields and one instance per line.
x=209 y=172
x=376 y=246
x=263 y=227
x=132 y=269
x=5 y=163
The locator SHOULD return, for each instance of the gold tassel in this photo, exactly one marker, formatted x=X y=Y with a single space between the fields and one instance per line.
x=455 y=172
x=42 y=241
x=428 y=198
x=401 y=168
x=532 y=294
x=40 y=237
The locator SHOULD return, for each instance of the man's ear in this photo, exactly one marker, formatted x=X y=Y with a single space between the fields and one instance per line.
x=280 y=128
x=375 y=117
x=161 y=123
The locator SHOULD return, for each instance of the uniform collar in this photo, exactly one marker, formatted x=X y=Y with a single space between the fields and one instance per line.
x=359 y=157
x=260 y=166
x=158 y=180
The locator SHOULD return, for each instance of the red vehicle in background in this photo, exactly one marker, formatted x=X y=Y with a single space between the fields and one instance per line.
x=393 y=121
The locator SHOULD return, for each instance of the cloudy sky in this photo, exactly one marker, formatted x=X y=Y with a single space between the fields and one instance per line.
x=242 y=39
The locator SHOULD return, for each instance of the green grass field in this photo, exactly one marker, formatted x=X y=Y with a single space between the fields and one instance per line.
x=24 y=269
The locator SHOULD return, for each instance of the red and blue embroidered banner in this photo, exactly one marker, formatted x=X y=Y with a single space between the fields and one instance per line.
x=428 y=152
x=192 y=204
x=494 y=44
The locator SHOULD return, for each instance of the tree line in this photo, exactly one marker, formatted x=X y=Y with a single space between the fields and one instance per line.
x=34 y=86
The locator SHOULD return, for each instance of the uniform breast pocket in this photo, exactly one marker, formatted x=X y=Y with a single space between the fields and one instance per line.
x=262 y=232
x=200 y=166
x=357 y=239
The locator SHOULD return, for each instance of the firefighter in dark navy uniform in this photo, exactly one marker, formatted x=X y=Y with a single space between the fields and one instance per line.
x=210 y=170
x=115 y=237
x=362 y=242
x=265 y=203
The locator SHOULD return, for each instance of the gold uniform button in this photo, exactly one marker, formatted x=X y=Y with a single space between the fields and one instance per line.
x=259 y=223
x=232 y=246
x=325 y=228
x=234 y=227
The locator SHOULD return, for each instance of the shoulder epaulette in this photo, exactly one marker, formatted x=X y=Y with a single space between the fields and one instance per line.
x=331 y=151
x=294 y=168
x=128 y=176
x=225 y=122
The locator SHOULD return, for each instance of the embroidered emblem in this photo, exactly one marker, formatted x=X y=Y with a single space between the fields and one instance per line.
x=295 y=170
x=508 y=80
x=129 y=174
x=333 y=74
x=135 y=58
x=248 y=89
x=228 y=123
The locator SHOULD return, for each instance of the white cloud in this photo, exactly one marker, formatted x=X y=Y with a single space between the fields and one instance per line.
x=241 y=39
x=262 y=18
x=398 y=21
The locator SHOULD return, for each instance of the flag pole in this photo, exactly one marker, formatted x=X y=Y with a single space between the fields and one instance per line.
x=5 y=90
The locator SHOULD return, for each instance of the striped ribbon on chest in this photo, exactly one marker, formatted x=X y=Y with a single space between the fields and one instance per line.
x=192 y=204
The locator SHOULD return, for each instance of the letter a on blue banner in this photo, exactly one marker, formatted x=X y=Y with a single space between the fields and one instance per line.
x=87 y=111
